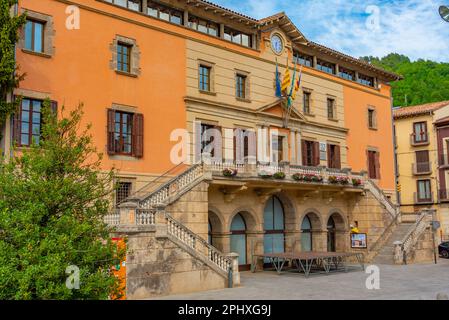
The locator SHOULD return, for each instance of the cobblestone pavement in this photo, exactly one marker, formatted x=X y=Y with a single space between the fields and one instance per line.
x=411 y=282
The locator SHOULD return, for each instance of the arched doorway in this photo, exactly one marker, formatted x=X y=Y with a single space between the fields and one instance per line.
x=274 y=226
x=238 y=238
x=306 y=234
x=331 y=235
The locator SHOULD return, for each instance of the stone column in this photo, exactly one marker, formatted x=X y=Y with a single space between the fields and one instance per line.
x=315 y=61
x=299 y=149
x=262 y=143
x=144 y=6
x=222 y=241
x=234 y=257
x=293 y=152
x=342 y=240
x=319 y=240
x=128 y=213
x=222 y=30
x=254 y=246
x=186 y=18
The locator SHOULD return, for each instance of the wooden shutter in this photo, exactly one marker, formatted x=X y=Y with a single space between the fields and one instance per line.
x=316 y=153
x=137 y=135
x=330 y=160
x=111 y=132
x=304 y=152
x=17 y=124
x=337 y=157
x=377 y=164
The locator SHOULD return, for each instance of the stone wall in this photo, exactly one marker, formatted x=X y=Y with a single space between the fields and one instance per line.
x=155 y=266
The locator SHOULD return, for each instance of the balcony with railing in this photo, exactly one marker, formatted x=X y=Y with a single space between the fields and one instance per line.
x=422 y=168
x=421 y=139
x=287 y=173
x=423 y=198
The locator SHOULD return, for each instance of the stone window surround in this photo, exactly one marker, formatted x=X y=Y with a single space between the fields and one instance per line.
x=335 y=118
x=372 y=108
x=49 y=33
x=311 y=103
x=210 y=65
x=129 y=109
x=247 y=75
x=135 y=69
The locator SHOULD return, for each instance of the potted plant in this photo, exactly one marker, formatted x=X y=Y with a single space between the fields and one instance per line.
x=279 y=175
x=297 y=177
x=265 y=174
x=343 y=180
x=230 y=173
x=332 y=179
x=356 y=182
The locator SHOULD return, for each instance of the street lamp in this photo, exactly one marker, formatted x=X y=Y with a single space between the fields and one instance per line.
x=444 y=13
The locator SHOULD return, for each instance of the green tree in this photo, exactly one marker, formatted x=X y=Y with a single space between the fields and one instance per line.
x=424 y=81
x=9 y=78
x=53 y=197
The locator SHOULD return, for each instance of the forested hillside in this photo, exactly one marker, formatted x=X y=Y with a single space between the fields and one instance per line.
x=424 y=81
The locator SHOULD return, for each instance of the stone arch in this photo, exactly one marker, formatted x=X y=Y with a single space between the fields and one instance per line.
x=253 y=222
x=289 y=210
x=340 y=219
x=337 y=237
x=216 y=219
x=315 y=218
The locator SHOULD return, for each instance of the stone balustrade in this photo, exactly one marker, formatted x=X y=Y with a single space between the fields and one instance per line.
x=303 y=174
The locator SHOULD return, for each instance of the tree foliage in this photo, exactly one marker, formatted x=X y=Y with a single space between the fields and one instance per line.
x=9 y=78
x=53 y=197
x=424 y=81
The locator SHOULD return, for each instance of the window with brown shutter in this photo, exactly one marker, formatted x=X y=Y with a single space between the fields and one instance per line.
x=124 y=133
x=373 y=165
x=137 y=135
x=333 y=152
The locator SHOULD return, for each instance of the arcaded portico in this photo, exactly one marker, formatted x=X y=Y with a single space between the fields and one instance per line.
x=277 y=221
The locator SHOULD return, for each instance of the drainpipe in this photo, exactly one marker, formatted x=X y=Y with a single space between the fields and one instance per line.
x=396 y=173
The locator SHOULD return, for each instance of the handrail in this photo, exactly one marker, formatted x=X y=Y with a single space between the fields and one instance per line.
x=415 y=232
x=161 y=194
x=137 y=193
x=392 y=208
x=379 y=242
x=195 y=242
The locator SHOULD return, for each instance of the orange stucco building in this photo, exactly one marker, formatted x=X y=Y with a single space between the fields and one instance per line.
x=144 y=69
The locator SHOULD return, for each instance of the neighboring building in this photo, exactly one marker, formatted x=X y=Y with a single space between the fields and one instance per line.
x=147 y=72
x=421 y=152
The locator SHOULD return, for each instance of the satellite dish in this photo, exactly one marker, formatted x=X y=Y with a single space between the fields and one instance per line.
x=444 y=13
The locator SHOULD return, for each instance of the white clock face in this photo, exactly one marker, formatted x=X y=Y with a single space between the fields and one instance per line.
x=276 y=44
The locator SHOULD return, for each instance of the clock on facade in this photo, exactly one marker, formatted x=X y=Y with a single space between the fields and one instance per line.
x=277 y=44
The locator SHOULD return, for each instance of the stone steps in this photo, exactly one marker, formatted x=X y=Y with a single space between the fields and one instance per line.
x=386 y=254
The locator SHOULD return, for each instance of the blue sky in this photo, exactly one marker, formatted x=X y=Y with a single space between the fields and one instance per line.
x=359 y=27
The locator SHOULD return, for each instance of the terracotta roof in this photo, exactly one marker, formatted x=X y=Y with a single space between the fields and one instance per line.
x=419 y=110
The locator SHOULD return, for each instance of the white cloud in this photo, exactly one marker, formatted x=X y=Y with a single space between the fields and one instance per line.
x=410 y=27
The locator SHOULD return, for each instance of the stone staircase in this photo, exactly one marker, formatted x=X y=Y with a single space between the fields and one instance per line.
x=386 y=253
x=147 y=219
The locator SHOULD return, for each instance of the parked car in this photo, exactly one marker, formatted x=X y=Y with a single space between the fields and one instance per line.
x=443 y=250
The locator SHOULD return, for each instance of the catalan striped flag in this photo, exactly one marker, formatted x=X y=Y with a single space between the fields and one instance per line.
x=287 y=80
x=297 y=85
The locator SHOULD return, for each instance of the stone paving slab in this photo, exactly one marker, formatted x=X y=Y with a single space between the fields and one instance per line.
x=411 y=282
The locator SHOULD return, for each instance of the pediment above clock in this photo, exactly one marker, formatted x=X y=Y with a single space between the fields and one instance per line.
x=275 y=109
